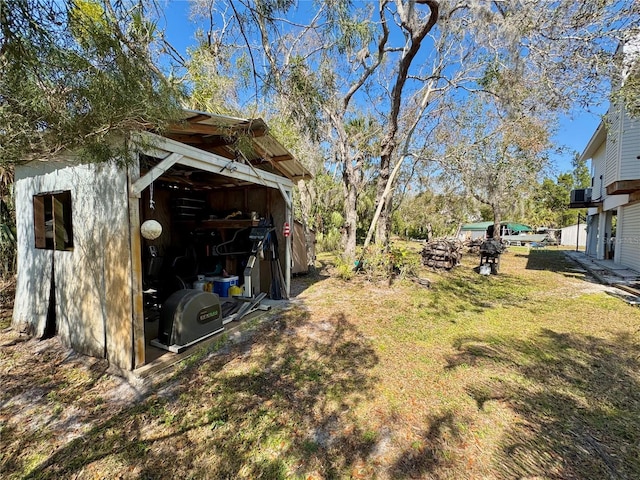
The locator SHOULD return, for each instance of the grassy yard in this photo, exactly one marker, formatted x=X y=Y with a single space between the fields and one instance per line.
x=533 y=373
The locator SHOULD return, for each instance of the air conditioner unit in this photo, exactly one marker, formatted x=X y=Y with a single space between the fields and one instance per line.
x=582 y=195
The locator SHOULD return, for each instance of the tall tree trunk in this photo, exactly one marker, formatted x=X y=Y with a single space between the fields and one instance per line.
x=350 y=183
x=497 y=220
x=382 y=226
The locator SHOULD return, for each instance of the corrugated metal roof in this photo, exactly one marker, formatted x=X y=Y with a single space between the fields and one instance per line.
x=479 y=226
x=221 y=134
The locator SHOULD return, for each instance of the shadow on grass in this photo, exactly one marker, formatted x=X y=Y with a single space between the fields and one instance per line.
x=301 y=281
x=275 y=407
x=464 y=290
x=554 y=261
x=577 y=398
x=428 y=457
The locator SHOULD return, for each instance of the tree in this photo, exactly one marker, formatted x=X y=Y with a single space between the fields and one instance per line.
x=75 y=73
x=325 y=71
x=495 y=155
x=328 y=63
x=581 y=175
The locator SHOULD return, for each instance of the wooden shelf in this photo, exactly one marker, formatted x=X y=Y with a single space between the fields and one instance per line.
x=241 y=223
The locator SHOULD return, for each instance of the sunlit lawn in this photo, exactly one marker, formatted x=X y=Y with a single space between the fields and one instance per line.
x=533 y=373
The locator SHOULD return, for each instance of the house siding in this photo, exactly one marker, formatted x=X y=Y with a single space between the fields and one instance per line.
x=629 y=236
x=630 y=149
x=599 y=162
x=612 y=168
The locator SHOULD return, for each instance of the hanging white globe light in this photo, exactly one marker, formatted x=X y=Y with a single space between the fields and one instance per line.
x=151 y=229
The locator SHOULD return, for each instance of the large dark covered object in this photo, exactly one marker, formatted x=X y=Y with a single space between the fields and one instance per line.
x=189 y=316
x=490 y=251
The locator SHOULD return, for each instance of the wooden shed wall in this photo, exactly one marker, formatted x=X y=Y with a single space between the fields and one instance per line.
x=92 y=281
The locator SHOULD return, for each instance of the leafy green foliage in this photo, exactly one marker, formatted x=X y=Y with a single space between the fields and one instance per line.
x=8 y=240
x=429 y=214
x=379 y=262
x=75 y=73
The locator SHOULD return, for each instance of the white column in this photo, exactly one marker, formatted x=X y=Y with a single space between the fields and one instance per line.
x=602 y=225
x=619 y=235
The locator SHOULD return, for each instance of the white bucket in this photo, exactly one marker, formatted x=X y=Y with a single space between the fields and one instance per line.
x=199 y=285
x=485 y=269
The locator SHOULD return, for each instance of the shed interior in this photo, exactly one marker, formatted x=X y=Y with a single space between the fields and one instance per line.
x=211 y=222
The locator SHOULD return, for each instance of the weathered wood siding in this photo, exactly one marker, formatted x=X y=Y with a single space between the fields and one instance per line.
x=92 y=281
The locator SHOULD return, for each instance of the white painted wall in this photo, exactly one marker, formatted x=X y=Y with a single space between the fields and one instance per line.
x=93 y=281
x=614 y=130
x=630 y=149
x=628 y=236
x=598 y=162
x=569 y=235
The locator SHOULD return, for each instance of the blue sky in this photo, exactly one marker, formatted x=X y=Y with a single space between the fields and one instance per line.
x=573 y=133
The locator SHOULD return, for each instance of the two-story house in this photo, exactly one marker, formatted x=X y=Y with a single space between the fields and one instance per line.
x=613 y=201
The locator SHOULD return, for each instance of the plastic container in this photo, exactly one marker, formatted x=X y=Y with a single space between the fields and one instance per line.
x=235 y=291
x=221 y=285
x=200 y=285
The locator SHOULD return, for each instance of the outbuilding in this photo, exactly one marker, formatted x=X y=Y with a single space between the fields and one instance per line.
x=84 y=266
x=574 y=235
x=476 y=230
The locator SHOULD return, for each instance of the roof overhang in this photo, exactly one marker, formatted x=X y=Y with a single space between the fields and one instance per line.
x=240 y=139
x=175 y=160
x=596 y=141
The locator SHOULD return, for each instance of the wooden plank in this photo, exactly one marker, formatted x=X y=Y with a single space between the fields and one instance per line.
x=156 y=172
x=38 y=221
x=136 y=277
x=213 y=163
x=623 y=186
x=59 y=232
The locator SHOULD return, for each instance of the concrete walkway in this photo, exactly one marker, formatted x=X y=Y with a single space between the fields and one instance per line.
x=607 y=271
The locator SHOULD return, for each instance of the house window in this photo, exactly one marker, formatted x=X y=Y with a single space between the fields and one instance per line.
x=52 y=220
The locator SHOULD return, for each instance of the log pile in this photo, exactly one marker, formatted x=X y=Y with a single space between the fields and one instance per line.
x=442 y=253
x=473 y=246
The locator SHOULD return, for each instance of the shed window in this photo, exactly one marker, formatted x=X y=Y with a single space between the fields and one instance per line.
x=52 y=220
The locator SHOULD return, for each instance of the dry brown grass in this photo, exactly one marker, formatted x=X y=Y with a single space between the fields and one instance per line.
x=529 y=374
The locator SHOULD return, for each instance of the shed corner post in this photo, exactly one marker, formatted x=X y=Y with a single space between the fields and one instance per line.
x=287 y=195
x=137 y=318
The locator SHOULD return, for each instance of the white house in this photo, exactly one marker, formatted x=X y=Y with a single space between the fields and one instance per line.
x=613 y=201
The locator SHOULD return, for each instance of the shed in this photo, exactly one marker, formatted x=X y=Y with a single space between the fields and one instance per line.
x=574 y=235
x=479 y=229
x=304 y=248
x=83 y=264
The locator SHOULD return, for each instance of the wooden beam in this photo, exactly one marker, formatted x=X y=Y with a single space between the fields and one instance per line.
x=623 y=186
x=281 y=158
x=199 y=128
x=210 y=162
x=143 y=182
x=135 y=259
x=198 y=117
x=206 y=129
x=201 y=141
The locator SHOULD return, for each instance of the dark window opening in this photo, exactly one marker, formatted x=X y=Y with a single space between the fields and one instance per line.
x=52 y=220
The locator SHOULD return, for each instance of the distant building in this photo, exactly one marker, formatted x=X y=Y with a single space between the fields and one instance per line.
x=574 y=235
x=479 y=229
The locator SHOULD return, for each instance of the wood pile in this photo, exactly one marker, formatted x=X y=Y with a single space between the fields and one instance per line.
x=442 y=253
x=473 y=246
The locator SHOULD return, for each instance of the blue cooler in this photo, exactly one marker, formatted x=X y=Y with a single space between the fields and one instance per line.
x=221 y=285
